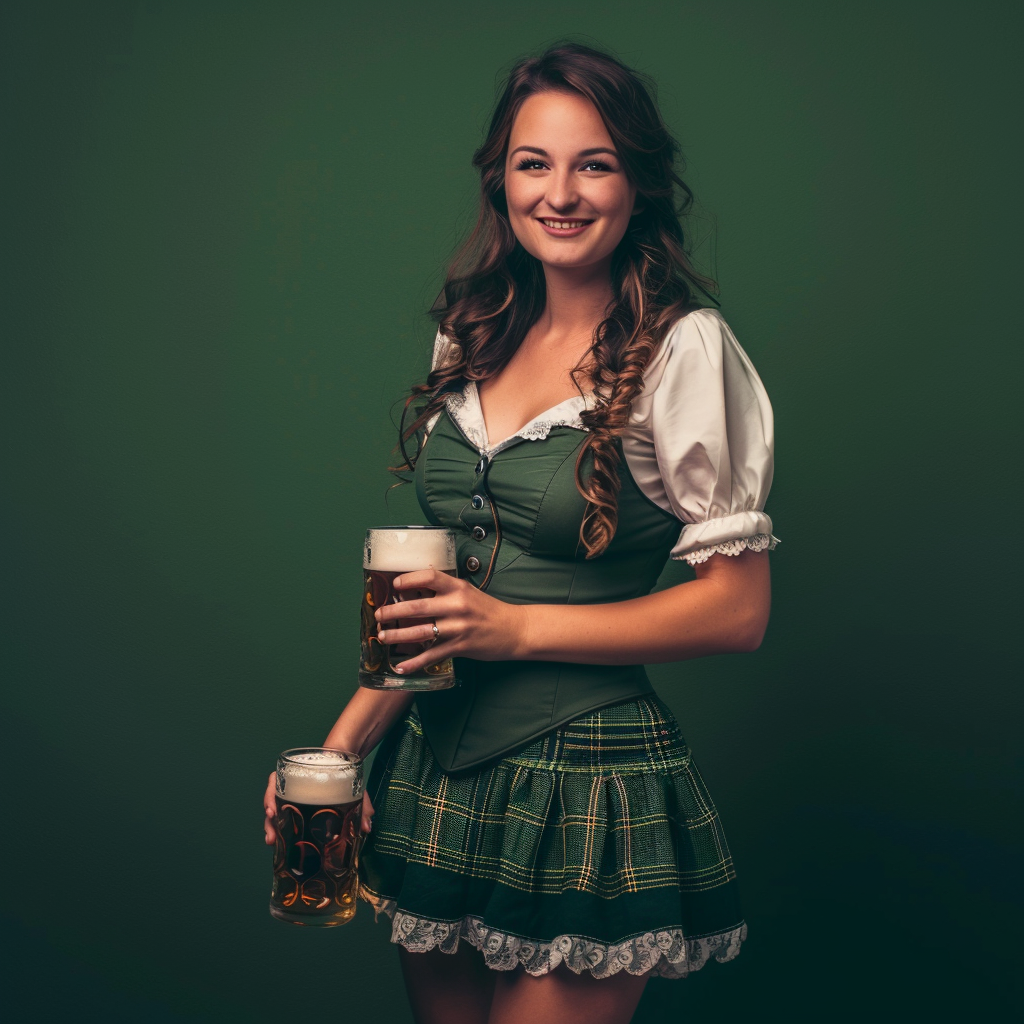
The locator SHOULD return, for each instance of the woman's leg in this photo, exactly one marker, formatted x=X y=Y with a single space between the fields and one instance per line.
x=448 y=988
x=562 y=997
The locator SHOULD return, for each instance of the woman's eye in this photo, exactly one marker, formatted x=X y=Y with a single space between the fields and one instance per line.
x=596 y=165
x=529 y=165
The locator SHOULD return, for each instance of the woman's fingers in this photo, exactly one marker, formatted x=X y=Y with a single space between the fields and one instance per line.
x=422 y=608
x=432 y=655
x=408 y=635
x=367 y=813
x=470 y=622
x=427 y=579
x=447 y=596
x=270 y=809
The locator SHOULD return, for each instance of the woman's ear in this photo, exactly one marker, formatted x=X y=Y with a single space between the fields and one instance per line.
x=638 y=207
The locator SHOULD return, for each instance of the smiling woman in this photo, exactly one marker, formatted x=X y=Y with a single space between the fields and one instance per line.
x=544 y=843
x=566 y=207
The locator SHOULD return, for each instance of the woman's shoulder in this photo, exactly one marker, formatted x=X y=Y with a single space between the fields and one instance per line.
x=693 y=338
x=701 y=329
x=700 y=386
x=701 y=443
x=698 y=348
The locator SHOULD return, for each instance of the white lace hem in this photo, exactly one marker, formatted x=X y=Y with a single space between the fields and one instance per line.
x=759 y=542
x=665 y=953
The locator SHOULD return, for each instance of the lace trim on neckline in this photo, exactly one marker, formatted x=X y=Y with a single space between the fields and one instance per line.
x=666 y=953
x=464 y=407
x=758 y=542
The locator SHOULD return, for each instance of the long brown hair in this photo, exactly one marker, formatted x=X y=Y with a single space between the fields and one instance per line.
x=495 y=292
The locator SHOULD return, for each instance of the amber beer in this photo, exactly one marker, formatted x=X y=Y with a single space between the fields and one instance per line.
x=319 y=813
x=389 y=552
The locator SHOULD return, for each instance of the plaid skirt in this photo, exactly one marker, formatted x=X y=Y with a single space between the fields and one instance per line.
x=597 y=847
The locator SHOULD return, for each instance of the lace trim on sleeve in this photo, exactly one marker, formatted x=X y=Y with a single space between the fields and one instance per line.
x=759 y=542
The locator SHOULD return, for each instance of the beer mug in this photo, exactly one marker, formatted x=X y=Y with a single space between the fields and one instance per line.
x=319 y=814
x=389 y=552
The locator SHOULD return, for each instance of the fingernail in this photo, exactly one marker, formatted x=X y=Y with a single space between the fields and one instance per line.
x=382 y=634
x=397 y=581
x=399 y=669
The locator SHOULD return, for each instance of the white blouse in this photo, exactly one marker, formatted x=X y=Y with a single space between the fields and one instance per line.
x=699 y=442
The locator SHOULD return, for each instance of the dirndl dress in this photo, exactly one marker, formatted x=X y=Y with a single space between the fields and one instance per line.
x=550 y=813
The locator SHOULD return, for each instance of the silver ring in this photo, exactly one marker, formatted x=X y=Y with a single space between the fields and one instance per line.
x=437 y=632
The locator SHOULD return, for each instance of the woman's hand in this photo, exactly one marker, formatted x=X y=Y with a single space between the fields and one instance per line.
x=270 y=811
x=469 y=622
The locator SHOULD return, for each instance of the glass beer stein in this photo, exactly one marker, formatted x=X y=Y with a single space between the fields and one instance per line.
x=319 y=813
x=389 y=552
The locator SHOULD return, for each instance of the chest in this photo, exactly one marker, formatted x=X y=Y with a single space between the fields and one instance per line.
x=517 y=513
x=535 y=380
x=522 y=497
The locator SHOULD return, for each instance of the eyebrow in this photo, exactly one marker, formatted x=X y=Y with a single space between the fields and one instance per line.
x=583 y=152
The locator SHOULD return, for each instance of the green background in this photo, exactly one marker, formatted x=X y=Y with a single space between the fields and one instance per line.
x=223 y=223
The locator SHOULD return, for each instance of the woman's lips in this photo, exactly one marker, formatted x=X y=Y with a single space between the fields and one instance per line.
x=565 y=227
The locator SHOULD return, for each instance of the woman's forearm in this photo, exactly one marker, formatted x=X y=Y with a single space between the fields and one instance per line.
x=725 y=609
x=366 y=718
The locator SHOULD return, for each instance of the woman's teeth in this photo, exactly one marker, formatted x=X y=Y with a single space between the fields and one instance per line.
x=564 y=224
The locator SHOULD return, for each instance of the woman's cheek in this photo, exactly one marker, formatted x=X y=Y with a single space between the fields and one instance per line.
x=522 y=228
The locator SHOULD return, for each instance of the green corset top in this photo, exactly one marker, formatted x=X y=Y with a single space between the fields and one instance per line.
x=516 y=513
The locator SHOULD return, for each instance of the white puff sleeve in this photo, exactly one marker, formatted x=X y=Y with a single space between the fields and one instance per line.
x=712 y=429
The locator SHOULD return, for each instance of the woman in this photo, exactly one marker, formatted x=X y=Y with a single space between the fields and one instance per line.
x=543 y=842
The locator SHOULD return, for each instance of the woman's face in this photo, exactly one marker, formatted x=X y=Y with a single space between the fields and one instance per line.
x=569 y=201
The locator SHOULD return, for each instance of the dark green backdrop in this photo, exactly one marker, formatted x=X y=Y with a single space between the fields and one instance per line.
x=223 y=224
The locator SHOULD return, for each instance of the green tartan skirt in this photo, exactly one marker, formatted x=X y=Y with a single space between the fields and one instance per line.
x=597 y=846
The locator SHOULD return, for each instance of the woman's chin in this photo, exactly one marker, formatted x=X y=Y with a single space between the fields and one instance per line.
x=559 y=258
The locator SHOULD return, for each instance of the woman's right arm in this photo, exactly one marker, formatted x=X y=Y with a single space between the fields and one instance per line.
x=359 y=728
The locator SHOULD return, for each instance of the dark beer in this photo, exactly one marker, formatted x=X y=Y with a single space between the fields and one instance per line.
x=389 y=553
x=319 y=812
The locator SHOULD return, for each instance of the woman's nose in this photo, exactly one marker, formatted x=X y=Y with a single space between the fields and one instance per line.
x=562 y=195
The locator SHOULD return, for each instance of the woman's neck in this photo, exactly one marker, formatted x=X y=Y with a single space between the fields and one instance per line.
x=577 y=299
x=539 y=375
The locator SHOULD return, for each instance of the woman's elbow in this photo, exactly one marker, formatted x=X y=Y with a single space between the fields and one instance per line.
x=750 y=628
x=743 y=598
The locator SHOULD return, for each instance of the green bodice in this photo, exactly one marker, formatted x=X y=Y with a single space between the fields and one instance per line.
x=516 y=513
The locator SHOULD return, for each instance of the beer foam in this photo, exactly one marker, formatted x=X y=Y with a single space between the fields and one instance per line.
x=404 y=549
x=319 y=777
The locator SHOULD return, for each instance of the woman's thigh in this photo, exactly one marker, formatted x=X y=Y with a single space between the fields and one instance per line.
x=562 y=997
x=448 y=988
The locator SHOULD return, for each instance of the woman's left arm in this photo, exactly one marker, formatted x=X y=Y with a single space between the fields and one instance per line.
x=724 y=609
